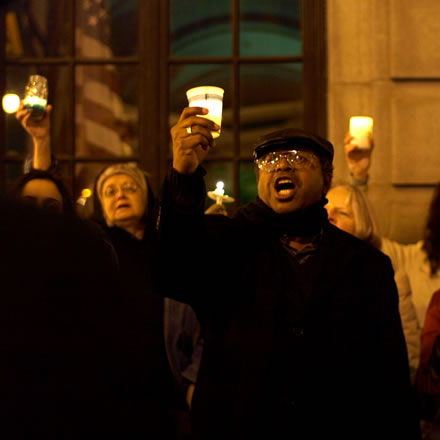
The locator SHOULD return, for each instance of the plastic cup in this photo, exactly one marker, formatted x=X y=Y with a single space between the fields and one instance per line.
x=209 y=97
x=35 y=96
x=361 y=128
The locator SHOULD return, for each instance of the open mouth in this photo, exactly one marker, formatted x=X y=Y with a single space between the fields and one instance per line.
x=285 y=187
x=123 y=205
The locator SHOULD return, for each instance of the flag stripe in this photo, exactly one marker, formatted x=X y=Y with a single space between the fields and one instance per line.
x=101 y=116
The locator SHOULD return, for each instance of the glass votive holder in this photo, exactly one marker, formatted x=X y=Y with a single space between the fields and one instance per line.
x=361 y=128
x=209 y=97
x=35 y=96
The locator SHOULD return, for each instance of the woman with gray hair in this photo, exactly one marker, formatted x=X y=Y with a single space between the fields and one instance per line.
x=349 y=210
x=166 y=331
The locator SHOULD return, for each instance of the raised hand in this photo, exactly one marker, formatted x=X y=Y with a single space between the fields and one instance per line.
x=358 y=160
x=38 y=129
x=40 y=132
x=218 y=209
x=192 y=139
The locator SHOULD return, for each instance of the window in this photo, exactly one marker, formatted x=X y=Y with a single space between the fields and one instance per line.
x=118 y=71
x=267 y=60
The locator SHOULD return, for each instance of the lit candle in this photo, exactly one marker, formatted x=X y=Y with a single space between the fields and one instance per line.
x=361 y=128
x=10 y=102
x=35 y=96
x=209 y=97
x=219 y=189
x=219 y=194
x=86 y=193
x=35 y=101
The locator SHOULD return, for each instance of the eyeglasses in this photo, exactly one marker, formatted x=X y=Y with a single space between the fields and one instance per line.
x=295 y=158
x=125 y=188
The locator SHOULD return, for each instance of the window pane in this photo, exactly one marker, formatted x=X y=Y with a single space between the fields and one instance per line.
x=276 y=105
x=18 y=141
x=270 y=27
x=106 y=110
x=215 y=172
x=184 y=77
x=200 y=28
x=38 y=28
x=248 y=182
x=65 y=171
x=106 y=28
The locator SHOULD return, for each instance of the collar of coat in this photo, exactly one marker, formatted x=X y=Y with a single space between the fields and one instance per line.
x=304 y=223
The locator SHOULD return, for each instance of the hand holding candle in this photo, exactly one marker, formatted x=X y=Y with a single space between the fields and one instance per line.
x=361 y=128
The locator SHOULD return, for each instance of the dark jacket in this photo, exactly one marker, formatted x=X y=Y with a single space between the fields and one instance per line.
x=168 y=331
x=63 y=354
x=343 y=344
x=178 y=336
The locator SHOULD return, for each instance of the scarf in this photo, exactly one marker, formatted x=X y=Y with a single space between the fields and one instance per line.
x=304 y=223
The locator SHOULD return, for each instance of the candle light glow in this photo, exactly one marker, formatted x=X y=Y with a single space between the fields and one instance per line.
x=219 y=188
x=10 y=102
x=86 y=193
x=209 y=97
x=361 y=128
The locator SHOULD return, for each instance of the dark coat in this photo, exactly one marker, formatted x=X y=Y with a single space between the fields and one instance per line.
x=164 y=336
x=171 y=328
x=348 y=374
x=63 y=354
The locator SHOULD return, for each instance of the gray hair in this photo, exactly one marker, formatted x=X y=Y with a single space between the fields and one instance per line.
x=364 y=222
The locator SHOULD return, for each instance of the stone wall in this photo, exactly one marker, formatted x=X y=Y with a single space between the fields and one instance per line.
x=384 y=61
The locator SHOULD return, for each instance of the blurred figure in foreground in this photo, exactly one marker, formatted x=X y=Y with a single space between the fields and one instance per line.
x=165 y=336
x=428 y=374
x=64 y=363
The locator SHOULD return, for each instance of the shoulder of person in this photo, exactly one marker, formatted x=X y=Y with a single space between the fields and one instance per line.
x=357 y=245
x=100 y=233
x=435 y=299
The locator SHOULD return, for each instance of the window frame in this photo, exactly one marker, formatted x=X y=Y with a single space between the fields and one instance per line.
x=153 y=62
x=314 y=59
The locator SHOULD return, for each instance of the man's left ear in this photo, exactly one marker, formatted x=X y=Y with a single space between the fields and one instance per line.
x=327 y=182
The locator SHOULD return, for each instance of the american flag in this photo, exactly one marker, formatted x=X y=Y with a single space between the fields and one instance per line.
x=101 y=117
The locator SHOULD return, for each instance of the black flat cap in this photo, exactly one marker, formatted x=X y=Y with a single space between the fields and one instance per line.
x=291 y=138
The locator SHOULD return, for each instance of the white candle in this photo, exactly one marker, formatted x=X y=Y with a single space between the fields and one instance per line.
x=361 y=128
x=209 y=97
x=219 y=191
x=35 y=101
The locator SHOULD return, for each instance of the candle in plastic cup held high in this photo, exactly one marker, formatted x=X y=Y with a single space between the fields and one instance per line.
x=209 y=97
x=35 y=98
x=361 y=128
